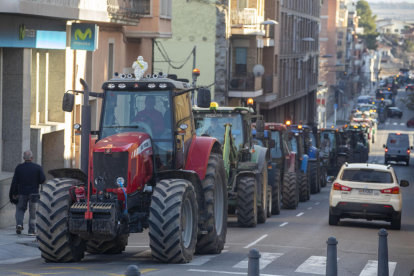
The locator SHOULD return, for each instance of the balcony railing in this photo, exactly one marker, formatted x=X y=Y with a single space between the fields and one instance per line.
x=245 y=83
x=130 y=9
x=267 y=84
x=246 y=17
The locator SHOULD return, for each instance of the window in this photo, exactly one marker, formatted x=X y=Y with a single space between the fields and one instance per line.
x=396 y=30
x=241 y=61
x=366 y=175
x=110 y=72
x=339 y=55
x=276 y=152
x=182 y=115
x=166 y=9
x=242 y=4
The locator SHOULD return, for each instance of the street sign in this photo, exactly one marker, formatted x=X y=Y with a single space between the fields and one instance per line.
x=335 y=106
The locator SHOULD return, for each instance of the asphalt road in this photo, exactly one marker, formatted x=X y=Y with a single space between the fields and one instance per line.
x=293 y=243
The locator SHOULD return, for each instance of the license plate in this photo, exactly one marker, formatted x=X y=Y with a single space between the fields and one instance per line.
x=365 y=192
x=393 y=156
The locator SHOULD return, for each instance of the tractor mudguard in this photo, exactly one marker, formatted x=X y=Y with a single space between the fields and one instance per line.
x=191 y=176
x=199 y=153
x=313 y=153
x=70 y=173
x=259 y=156
x=290 y=162
x=304 y=165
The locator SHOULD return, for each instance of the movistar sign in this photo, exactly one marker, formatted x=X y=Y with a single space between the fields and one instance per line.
x=84 y=37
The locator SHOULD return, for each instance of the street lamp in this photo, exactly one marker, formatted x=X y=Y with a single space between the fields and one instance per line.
x=269 y=22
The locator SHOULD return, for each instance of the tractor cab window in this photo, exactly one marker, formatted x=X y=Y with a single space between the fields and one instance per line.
x=212 y=124
x=183 y=121
x=328 y=141
x=312 y=139
x=295 y=144
x=148 y=112
x=277 y=151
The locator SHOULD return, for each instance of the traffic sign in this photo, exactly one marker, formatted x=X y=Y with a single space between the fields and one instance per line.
x=336 y=106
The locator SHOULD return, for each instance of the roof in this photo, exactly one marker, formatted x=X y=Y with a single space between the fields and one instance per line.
x=370 y=166
x=132 y=84
x=223 y=109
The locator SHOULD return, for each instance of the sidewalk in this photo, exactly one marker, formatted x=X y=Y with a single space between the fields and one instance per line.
x=17 y=248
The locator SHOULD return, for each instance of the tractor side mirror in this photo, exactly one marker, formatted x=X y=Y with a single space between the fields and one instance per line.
x=272 y=143
x=404 y=183
x=330 y=178
x=260 y=125
x=203 y=97
x=68 y=102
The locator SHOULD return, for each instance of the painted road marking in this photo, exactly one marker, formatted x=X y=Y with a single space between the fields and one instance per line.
x=309 y=208
x=202 y=259
x=402 y=124
x=317 y=203
x=387 y=123
x=256 y=241
x=394 y=124
x=265 y=259
x=298 y=215
x=283 y=224
x=226 y=272
x=313 y=265
x=371 y=268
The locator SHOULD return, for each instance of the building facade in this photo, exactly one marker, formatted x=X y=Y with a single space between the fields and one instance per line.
x=39 y=63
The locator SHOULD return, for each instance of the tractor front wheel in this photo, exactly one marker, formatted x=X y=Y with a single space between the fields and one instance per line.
x=247 y=201
x=313 y=177
x=215 y=193
x=290 y=191
x=173 y=221
x=115 y=246
x=303 y=187
x=56 y=243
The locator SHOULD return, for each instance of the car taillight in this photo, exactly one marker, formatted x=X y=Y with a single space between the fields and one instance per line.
x=386 y=150
x=408 y=151
x=339 y=187
x=395 y=190
x=406 y=87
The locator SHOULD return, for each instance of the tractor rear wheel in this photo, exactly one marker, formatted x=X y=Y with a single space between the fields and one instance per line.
x=173 y=221
x=303 y=187
x=215 y=193
x=56 y=243
x=276 y=193
x=262 y=209
x=247 y=201
x=115 y=246
x=290 y=191
x=313 y=179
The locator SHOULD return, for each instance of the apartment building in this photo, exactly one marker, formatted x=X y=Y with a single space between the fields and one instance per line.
x=294 y=61
x=40 y=61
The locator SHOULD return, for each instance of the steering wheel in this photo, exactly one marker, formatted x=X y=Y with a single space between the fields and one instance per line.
x=143 y=125
x=150 y=123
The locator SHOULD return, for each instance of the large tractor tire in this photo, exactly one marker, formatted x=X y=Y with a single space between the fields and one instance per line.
x=340 y=162
x=276 y=193
x=262 y=209
x=56 y=243
x=269 y=201
x=313 y=177
x=303 y=187
x=173 y=221
x=324 y=176
x=290 y=191
x=247 y=201
x=215 y=192
x=115 y=246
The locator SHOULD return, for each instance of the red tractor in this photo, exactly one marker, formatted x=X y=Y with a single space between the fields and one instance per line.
x=147 y=169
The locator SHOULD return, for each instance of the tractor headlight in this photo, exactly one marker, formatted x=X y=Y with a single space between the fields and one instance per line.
x=120 y=181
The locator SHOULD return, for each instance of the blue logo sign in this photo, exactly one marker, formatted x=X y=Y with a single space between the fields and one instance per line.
x=336 y=106
x=84 y=37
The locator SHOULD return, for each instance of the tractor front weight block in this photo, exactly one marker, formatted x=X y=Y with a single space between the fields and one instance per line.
x=103 y=226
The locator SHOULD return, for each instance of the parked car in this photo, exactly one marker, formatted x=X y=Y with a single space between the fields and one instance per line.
x=410 y=123
x=409 y=87
x=366 y=191
x=393 y=112
x=397 y=148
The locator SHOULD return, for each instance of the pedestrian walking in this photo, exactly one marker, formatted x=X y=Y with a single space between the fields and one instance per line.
x=26 y=180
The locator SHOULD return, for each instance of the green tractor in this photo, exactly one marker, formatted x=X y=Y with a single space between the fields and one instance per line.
x=358 y=143
x=246 y=163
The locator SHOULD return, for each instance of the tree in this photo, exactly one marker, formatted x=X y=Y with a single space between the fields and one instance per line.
x=409 y=100
x=367 y=21
x=408 y=46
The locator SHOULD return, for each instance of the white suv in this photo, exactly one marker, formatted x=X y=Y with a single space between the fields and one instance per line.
x=366 y=191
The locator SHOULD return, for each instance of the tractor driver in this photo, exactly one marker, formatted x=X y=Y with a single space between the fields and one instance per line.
x=215 y=130
x=326 y=143
x=151 y=116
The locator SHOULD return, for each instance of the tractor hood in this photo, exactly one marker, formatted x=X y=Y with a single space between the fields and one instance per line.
x=121 y=142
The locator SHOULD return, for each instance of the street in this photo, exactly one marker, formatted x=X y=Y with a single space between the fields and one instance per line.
x=292 y=243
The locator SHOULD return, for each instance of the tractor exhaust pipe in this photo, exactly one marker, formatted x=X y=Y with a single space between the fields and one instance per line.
x=86 y=128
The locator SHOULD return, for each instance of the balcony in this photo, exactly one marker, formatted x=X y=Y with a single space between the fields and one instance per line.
x=246 y=21
x=245 y=86
x=127 y=10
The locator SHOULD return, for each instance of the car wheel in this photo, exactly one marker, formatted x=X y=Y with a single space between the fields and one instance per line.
x=386 y=161
x=396 y=224
x=400 y=117
x=333 y=220
x=407 y=163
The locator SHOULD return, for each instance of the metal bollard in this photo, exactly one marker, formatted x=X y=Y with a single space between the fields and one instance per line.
x=331 y=257
x=383 y=253
x=253 y=267
x=132 y=270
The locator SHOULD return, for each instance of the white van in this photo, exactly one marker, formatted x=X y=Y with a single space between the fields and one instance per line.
x=398 y=148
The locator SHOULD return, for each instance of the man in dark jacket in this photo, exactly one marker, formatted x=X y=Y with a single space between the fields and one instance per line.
x=26 y=180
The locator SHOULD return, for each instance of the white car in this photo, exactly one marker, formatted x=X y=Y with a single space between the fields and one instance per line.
x=366 y=191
